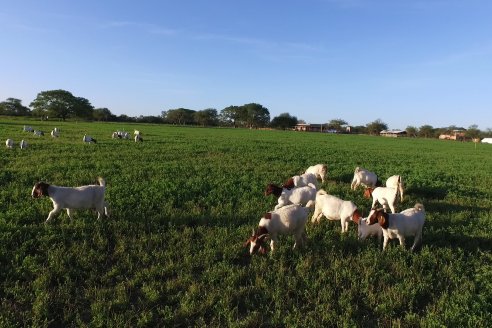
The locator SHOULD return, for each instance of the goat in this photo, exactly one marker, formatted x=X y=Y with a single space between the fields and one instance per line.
x=69 y=198
x=407 y=223
x=319 y=170
x=55 y=133
x=27 y=128
x=301 y=195
x=383 y=195
x=396 y=182
x=301 y=181
x=23 y=144
x=365 y=230
x=9 y=143
x=363 y=177
x=334 y=208
x=288 y=220
x=138 y=138
x=88 y=139
x=38 y=133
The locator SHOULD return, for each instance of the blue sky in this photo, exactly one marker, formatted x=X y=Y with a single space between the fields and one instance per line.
x=405 y=62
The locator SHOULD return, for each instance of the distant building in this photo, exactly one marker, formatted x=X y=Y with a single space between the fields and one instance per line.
x=393 y=133
x=454 y=135
x=321 y=128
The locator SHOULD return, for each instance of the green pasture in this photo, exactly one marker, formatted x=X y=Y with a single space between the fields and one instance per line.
x=184 y=201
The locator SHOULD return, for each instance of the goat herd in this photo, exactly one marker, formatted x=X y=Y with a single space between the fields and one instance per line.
x=300 y=193
x=55 y=133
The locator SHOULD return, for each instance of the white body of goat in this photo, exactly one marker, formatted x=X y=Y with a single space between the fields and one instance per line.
x=301 y=195
x=88 y=139
x=23 y=144
x=334 y=208
x=55 y=133
x=27 y=128
x=319 y=170
x=363 y=177
x=383 y=195
x=364 y=230
x=301 y=181
x=69 y=198
x=408 y=223
x=396 y=182
x=288 y=220
x=138 y=138
x=9 y=143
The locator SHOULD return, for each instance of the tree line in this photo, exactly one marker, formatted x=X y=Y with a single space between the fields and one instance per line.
x=62 y=104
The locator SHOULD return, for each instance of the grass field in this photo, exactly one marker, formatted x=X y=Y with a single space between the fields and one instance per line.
x=184 y=201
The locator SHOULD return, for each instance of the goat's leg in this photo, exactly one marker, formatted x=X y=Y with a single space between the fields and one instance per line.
x=53 y=213
x=417 y=240
x=69 y=213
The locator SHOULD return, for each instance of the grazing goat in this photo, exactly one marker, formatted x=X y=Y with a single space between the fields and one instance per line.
x=301 y=195
x=334 y=208
x=319 y=170
x=27 y=128
x=70 y=198
x=383 y=195
x=407 y=223
x=55 y=133
x=288 y=220
x=396 y=182
x=9 y=143
x=23 y=144
x=301 y=181
x=38 y=133
x=363 y=177
x=138 y=138
x=365 y=230
x=88 y=139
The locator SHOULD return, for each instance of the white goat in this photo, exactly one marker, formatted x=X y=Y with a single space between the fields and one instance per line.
x=383 y=195
x=396 y=182
x=55 y=133
x=319 y=170
x=69 y=198
x=88 y=139
x=138 y=138
x=38 y=133
x=363 y=177
x=301 y=195
x=407 y=223
x=23 y=144
x=288 y=220
x=9 y=143
x=301 y=181
x=27 y=128
x=364 y=230
x=334 y=208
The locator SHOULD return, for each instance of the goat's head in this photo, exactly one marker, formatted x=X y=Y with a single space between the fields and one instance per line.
x=273 y=189
x=40 y=189
x=256 y=241
x=378 y=215
x=356 y=216
x=289 y=184
x=368 y=193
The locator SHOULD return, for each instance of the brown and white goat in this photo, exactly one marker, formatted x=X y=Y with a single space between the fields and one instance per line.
x=301 y=181
x=383 y=195
x=288 y=220
x=363 y=177
x=407 y=223
x=396 y=182
x=70 y=198
x=334 y=208
x=301 y=195
x=319 y=170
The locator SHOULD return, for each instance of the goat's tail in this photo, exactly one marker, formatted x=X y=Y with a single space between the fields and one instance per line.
x=419 y=207
x=101 y=181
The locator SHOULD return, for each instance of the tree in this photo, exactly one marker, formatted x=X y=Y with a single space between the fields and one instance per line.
x=14 y=107
x=232 y=115
x=473 y=132
x=376 y=127
x=411 y=131
x=283 y=121
x=102 y=114
x=256 y=115
x=206 y=117
x=82 y=108
x=62 y=104
x=179 y=116
x=336 y=124
x=426 y=131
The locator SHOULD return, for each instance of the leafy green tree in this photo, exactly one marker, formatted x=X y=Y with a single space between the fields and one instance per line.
x=82 y=108
x=376 y=127
x=283 y=121
x=62 y=104
x=473 y=132
x=256 y=115
x=102 y=114
x=232 y=115
x=206 y=117
x=336 y=124
x=179 y=116
x=426 y=131
x=412 y=131
x=14 y=107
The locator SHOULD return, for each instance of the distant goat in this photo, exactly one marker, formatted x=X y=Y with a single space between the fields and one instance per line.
x=55 y=133
x=288 y=220
x=9 y=143
x=27 y=128
x=88 y=139
x=363 y=177
x=319 y=170
x=138 y=138
x=23 y=144
x=70 y=198
x=407 y=223
x=38 y=133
